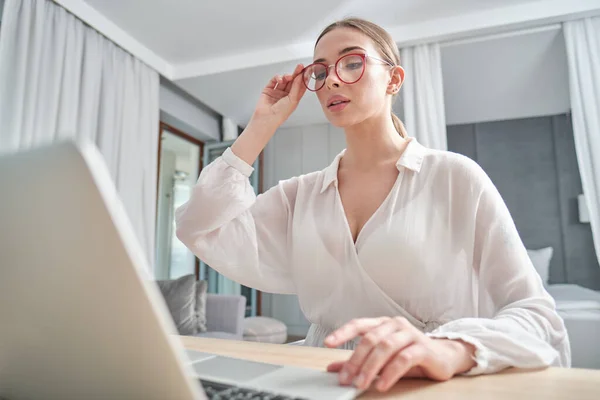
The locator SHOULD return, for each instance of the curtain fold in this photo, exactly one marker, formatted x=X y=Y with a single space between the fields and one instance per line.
x=423 y=95
x=582 y=39
x=60 y=79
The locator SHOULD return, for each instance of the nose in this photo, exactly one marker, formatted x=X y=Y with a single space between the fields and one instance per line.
x=332 y=80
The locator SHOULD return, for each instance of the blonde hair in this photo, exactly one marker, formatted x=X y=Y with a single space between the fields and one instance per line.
x=384 y=43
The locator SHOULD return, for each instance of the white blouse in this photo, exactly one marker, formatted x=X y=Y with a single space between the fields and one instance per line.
x=442 y=250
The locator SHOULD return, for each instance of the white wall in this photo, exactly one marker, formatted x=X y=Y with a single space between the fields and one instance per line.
x=180 y=112
x=292 y=152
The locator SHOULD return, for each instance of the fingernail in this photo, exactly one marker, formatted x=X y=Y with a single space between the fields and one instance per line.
x=381 y=385
x=359 y=381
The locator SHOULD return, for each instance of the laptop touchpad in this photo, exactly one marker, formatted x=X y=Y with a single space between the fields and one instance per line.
x=232 y=369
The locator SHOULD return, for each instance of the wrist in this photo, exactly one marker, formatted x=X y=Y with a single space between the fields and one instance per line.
x=462 y=355
x=253 y=140
x=266 y=125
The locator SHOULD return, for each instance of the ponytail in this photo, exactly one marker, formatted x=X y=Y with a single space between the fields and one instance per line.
x=399 y=126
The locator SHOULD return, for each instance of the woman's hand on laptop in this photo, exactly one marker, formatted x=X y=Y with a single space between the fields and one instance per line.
x=392 y=348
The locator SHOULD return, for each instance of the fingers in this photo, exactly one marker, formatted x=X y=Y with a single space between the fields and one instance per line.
x=278 y=82
x=399 y=365
x=273 y=82
x=392 y=348
x=336 y=366
x=371 y=342
x=281 y=82
x=298 y=88
x=284 y=82
x=381 y=354
x=353 y=329
x=292 y=78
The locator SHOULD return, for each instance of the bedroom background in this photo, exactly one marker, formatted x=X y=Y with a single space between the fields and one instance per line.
x=500 y=83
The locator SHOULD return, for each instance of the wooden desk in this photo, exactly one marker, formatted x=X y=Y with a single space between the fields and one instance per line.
x=551 y=383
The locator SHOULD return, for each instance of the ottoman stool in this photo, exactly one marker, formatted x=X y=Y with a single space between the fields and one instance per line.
x=264 y=330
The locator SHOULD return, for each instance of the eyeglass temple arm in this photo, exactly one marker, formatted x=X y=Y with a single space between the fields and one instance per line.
x=383 y=61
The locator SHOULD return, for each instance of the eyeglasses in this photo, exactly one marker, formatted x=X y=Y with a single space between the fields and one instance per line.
x=348 y=68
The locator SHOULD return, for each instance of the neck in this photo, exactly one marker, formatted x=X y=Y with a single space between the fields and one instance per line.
x=373 y=142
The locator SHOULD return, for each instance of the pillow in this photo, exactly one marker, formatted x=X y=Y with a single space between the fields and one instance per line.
x=180 y=296
x=201 y=288
x=541 y=261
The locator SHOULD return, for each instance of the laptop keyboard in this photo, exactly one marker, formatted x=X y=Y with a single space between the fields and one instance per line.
x=221 y=391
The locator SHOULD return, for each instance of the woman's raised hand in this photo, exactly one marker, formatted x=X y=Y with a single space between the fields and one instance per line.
x=280 y=97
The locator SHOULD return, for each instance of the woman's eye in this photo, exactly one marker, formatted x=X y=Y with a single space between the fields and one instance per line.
x=354 y=66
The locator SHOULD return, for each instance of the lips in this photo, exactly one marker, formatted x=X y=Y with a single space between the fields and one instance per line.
x=336 y=101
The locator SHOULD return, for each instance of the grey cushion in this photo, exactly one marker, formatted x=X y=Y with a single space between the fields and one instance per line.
x=180 y=296
x=201 y=288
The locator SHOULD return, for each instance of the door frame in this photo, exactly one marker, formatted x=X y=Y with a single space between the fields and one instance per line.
x=177 y=132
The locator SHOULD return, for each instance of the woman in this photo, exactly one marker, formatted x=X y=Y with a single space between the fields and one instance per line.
x=411 y=250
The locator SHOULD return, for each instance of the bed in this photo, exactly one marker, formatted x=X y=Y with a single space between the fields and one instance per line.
x=580 y=309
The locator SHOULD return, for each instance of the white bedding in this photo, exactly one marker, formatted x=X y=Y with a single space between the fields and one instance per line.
x=570 y=297
x=580 y=309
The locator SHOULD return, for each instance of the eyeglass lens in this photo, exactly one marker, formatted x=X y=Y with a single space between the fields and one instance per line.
x=349 y=70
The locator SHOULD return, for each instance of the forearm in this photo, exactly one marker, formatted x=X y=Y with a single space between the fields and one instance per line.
x=254 y=139
x=242 y=236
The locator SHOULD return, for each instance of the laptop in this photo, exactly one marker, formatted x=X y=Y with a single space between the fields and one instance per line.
x=81 y=317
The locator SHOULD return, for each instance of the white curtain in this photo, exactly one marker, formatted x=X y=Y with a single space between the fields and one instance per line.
x=582 y=39
x=423 y=95
x=61 y=79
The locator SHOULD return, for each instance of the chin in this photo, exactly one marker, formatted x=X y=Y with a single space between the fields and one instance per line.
x=341 y=121
x=338 y=122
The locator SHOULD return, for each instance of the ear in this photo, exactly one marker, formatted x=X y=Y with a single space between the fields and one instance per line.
x=396 y=80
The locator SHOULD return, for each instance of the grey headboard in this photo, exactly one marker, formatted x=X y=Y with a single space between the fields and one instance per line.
x=533 y=163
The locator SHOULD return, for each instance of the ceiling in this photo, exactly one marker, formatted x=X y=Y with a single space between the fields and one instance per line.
x=223 y=52
x=187 y=31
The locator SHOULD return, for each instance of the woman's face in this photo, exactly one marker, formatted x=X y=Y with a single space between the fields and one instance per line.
x=365 y=99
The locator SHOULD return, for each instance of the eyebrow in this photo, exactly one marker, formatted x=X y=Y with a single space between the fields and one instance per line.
x=346 y=50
